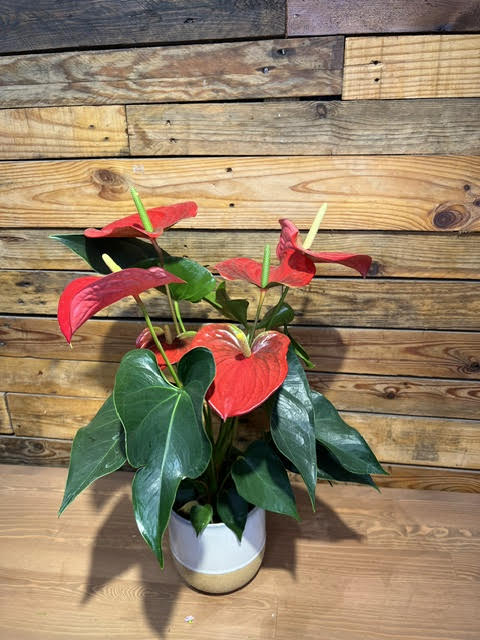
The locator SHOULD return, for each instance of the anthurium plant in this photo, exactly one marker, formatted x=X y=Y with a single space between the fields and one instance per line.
x=177 y=396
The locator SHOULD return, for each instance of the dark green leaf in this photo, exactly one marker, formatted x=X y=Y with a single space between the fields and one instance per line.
x=299 y=350
x=280 y=314
x=199 y=282
x=233 y=309
x=164 y=433
x=260 y=478
x=97 y=450
x=126 y=252
x=232 y=509
x=200 y=516
x=329 y=469
x=186 y=492
x=344 y=442
x=292 y=423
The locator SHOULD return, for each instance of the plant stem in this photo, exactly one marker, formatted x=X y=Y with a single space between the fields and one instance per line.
x=261 y=300
x=157 y=342
x=178 y=315
x=159 y=251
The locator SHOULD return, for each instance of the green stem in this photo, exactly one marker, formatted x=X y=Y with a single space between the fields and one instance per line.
x=261 y=300
x=159 y=251
x=176 y=306
x=157 y=342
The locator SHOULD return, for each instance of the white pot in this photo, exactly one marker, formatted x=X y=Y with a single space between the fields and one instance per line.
x=215 y=561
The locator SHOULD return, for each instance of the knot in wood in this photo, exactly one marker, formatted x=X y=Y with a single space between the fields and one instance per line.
x=111 y=184
x=390 y=393
x=374 y=269
x=448 y=216
x=321 y=110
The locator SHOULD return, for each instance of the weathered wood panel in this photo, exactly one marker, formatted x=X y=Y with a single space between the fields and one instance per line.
x=5 y=423
x=221 y=71
x=306 y=128
x=367 y=193
x=343 y=302
x=394 y=438
x=400 y=395
x=439 y=354
x=321 y=17
x=402 y=255
x=430 y=66
x=36 y=451
x=429 y=478
x=62 y=132
x=47 y=24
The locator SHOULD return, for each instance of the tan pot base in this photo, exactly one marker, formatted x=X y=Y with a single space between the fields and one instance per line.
x=220 y=582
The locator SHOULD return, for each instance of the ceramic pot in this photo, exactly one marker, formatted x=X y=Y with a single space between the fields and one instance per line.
x=215 y=561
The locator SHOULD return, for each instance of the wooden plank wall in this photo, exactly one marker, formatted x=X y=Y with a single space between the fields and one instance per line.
x=256 y=111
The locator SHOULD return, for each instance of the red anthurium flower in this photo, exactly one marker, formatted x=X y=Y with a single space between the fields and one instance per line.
x=131 y=227
x=294 y=270
x=84 y=297
x=174 y=350
x=289 y=242
x=245 y=377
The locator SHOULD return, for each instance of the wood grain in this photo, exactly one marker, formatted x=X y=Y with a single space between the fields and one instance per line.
x=429 y=479
x=306 y=128
x=28 y=26
x=342 y=302
x=409 y=193
x=354 y=565
x=400 y=395
x=5 y=423
x=62 y=132
x=439 y=354
x=200 y=72
x=401 y=439
x=402 y=255
x=429 y=66
x=35 y=451
x=321 y=17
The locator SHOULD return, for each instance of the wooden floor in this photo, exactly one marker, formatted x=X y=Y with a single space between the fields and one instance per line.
x=402 y=565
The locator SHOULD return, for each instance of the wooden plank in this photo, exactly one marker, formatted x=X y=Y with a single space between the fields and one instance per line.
x=402 y=255
x=401 y=439
x=400 y=395
x=411 y=193
x=321 y=17
x=429 y=478
x=306 y=128
x=62 y=132
x=47 y=25
x=342 y=302
x=374 y=554
x=429 y=66
x=5 y=422
x=35 y=451
x=441 y=354
x=200 y=72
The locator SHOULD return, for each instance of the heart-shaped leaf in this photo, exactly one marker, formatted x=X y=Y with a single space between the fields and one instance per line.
x=126 y=252
x=245 y=378
x=260 y=478
x=281 y=314
x=292 y=423
x=164 y=433
x=233 y=309
x=232 y=509
x=200 y=516
x=329 y=469
x=199 y=282
x=97 y=450
x=346 y=445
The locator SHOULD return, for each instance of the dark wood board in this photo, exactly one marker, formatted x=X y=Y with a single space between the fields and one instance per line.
x=322 y=17
x=306 y=128
x=49 y=24
x=199 y=72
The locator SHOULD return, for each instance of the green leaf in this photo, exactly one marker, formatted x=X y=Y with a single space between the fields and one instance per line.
x=299 y=350
x=232 y=509
x=260 y=478
x=97 y=450
x=344 y=442
x=292 y=423
x=200 y=516
x=199 y=282
x=233 y=309
x=281 y=314
x=329 y=469
x=164 y=433
x=126 y=252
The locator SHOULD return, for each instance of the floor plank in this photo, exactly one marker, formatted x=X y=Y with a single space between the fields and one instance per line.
x=365 y=565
